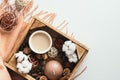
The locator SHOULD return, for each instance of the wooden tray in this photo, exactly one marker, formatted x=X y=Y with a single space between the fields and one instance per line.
x=36 y=23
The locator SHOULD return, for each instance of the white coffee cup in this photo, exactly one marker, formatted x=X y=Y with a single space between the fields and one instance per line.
x=40 y=42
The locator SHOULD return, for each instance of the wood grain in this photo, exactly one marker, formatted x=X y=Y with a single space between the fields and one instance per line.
x=82 y=50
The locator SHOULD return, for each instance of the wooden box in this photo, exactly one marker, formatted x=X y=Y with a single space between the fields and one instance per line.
x=36 y=24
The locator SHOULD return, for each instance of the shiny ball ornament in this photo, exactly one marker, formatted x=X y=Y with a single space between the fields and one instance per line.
x=53 y=70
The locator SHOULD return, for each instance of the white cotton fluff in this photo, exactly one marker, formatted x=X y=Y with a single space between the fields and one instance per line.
x=64 y=48
x=27 y=64
x=72 y=47
x=69 y=52
x=69 y=49
x=19 y=65
x=21 y=56
x=24 y=67
x=23 y=64
x=67 y=43
x=72 y=58
x=23 y=70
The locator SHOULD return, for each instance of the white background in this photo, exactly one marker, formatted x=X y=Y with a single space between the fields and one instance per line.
x=95 y=23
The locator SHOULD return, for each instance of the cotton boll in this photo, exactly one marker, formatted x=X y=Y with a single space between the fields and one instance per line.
x=67 y=43
x=20 y=59
x=29 y=66
x=64 y=48
x=72 y=58
x=75 y=60
x=72 y=47
x=69 y=52
x=74 y=55
x=19 y=65
x=69 y=49
x=26 y=64
x=20 y=56
x=25 y=70
x=24 y=67
x=19 y=70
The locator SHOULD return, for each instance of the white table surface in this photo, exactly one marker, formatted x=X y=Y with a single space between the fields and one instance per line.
x=95 y=23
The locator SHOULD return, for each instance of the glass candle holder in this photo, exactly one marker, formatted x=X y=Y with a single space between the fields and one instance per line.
x=8 y=19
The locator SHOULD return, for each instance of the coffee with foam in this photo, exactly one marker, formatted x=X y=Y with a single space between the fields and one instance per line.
x=40 y=41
